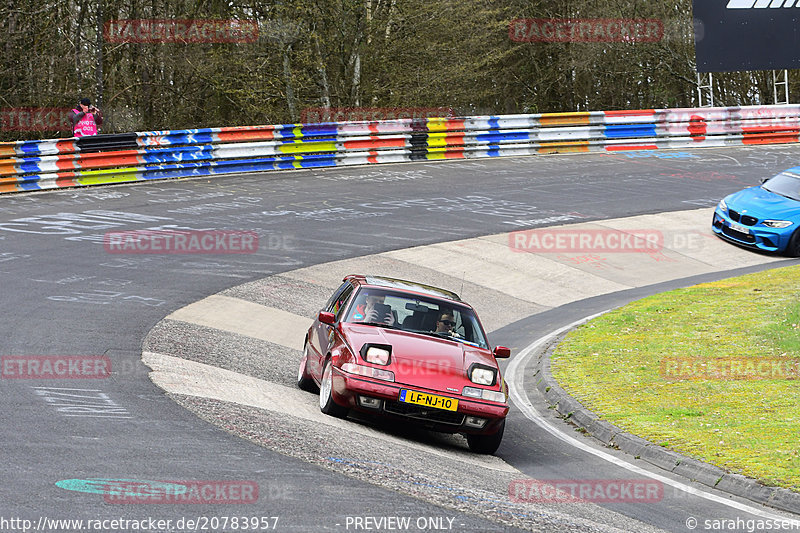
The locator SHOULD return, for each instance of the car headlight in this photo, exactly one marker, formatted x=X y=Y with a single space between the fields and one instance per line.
x=368 y=371
x=377 y=354
x=482 y=375
x=723 y=206
x=779 y=224
x=483 y=394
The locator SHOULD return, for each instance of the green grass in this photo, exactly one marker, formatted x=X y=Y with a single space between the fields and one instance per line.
x=749 y=425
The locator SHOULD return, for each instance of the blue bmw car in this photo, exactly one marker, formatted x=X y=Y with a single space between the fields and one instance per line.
x=766 y=217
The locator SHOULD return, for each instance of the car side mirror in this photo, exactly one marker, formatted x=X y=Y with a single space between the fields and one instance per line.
x=501 y=352
x=764 y=180
x=326 y=318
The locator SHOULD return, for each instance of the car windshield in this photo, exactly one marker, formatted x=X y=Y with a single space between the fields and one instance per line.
x=786 y=184
x=416 y=314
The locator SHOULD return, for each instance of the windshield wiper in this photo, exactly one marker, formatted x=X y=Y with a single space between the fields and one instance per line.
x=379 y=324
x=445 y=335
x=454 y=337
x=449 y=336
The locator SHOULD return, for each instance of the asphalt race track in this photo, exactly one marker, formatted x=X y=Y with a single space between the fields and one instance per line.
x=65 y=294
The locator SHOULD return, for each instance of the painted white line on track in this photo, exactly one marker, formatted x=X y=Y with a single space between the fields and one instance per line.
x=520 y=399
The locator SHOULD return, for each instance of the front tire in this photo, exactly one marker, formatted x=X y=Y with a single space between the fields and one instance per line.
x=486 y=444
x=793 y=248
x=304 y=380
x=326 y=403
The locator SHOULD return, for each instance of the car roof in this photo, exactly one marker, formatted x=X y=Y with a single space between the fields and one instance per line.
x=793 y=170
x=403 y=285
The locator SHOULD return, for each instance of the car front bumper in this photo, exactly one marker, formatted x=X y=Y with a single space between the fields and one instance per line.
x=758 y=237
x=349 y=388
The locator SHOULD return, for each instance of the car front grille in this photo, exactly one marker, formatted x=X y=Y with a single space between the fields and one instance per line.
x=747 y=220
x=424 y=413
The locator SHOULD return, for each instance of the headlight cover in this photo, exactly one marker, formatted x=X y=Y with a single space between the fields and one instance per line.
x=368 y=371
x=377 y=354
x=482 y=375
x=778 y=224
x=484 y=394
x=723 y=206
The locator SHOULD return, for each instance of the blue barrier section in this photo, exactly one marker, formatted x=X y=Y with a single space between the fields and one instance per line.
x=613 y=131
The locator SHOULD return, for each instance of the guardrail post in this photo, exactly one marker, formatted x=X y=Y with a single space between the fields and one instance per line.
x=776 y=83
x=705 y=85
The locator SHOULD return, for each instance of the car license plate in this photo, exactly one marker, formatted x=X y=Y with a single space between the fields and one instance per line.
x=428 y=400
x=739 y=228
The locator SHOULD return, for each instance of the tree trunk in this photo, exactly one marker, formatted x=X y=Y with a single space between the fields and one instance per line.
x=78 y=51
x=287 y=73
x=99 y=69
x=326 y=92
x=355 y=87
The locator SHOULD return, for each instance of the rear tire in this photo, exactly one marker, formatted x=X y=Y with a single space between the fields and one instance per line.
x=486 y=444
x=304 y=380
x=793 y=248
x=326 y=403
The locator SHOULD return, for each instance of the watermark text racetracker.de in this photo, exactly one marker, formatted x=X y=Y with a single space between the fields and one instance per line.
x=603 y=241
x=585 y=30
x=180 y=31
x=586 y=240
x=585 y=490
x=55 y=367
x=181 y=242
x=35 y=119
x=181 y=492
x=316 y=115
x=729 y=368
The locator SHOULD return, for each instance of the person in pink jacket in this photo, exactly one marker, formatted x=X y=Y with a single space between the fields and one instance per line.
x=86 y=118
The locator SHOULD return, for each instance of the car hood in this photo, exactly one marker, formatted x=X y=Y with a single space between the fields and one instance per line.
x=762 y=204
x=422 y=360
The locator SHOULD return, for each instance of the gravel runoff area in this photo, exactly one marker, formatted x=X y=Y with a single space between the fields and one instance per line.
x=446 y=473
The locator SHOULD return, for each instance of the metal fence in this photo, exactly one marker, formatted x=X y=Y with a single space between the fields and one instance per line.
x=117 y=158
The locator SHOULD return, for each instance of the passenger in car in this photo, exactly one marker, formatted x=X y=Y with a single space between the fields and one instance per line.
x=374 y=310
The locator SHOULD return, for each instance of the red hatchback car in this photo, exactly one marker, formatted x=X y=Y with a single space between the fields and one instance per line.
x=401 y=349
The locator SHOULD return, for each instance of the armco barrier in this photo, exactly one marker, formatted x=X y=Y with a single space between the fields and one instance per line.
x=101 y=159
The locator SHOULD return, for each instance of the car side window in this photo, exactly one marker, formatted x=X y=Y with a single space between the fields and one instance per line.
x=339 y=303
x=335 y=297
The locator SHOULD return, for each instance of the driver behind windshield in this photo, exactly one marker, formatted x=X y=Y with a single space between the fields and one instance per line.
x=446 y=322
